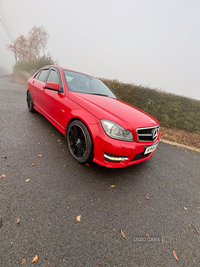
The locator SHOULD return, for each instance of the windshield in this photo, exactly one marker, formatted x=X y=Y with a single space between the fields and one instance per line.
x=81 y=83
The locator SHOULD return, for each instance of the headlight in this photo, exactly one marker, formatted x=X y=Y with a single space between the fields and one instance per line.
x=115 y=131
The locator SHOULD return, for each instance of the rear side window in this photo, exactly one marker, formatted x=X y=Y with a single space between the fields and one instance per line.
x=37 y=75
x=41 y=76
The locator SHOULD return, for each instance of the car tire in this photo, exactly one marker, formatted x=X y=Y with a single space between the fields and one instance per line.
x=30 y=104
x=79 y=141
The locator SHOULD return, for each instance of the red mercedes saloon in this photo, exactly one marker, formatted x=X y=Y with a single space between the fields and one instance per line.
x=98 y=125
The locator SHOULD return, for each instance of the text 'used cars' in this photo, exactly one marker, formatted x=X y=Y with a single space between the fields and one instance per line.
x=97 y=125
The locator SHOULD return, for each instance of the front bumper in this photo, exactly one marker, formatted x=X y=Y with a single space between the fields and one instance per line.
x=113 y=153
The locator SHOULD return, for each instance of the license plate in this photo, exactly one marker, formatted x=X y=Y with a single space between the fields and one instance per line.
x=150 y=149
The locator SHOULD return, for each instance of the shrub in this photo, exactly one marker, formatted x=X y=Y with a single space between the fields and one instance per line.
x=32 y=66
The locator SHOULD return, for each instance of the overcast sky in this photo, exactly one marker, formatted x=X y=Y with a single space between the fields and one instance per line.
x=154 y=43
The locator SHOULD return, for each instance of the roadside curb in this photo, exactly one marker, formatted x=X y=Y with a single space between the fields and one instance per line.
x=180 y=145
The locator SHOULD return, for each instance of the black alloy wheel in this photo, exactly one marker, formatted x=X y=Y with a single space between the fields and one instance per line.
x=79 y=141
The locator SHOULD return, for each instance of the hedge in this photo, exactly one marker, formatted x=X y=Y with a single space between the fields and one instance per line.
x=169 y=109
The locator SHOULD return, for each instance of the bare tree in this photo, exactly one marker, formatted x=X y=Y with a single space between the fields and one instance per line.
x=29 y=48
x=37 y=41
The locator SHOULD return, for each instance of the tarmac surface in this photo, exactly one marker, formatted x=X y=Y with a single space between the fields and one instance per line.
x=76 y=215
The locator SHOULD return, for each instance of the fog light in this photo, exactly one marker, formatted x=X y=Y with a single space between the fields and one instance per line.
x=113 y=158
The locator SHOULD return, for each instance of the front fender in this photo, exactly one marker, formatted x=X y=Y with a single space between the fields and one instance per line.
x=83 y=115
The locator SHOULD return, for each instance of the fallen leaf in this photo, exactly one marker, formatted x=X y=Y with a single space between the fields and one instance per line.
x=86 y=164
x=28 y=180
x=101 y=262
x=39 y=156
x=147 y=198
x=33 y=164
x=3 y=176
x=4 y=157
x=175 y=256
x=123 y=234
x=112 y=186
x=35 y=259
x=18 y=220
x=67 y=207
x=185 y=208
x=23 y=261
x=138 y=202
x=65 y=165
x=48 y=230
x=38 y=143
x=45 y=259
x=52 y=134
x=78 y=218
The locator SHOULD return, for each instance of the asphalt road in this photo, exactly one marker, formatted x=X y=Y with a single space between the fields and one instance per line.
x=125 y=213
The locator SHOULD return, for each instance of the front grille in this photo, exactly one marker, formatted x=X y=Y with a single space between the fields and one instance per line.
x=148 y=134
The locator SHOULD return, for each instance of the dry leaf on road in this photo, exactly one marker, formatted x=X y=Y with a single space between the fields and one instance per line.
x=18 y=220
x=28 y=180
x=185 y=208
x=39 y=156
x=175 y=256
x=65 y=165
x=78 y=218
x=111 y=189
x=147 y=197
x=35 y=259
x=123 y=234
x=45 y=259
x=3 y=176
x=23 y=261
x=33 y=164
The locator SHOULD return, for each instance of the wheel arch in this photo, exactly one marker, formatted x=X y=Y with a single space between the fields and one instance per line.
x=79 y=119
x=85 y=117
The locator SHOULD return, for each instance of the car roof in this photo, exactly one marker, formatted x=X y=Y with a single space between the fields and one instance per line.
x=61 y=68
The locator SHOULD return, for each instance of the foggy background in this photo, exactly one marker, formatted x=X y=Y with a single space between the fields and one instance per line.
x=149 y=42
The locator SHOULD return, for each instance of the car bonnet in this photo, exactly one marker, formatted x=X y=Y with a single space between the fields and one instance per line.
x=115 y=110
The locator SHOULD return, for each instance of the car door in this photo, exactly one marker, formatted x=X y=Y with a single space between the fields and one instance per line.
x=37 y=85
x=54 y=100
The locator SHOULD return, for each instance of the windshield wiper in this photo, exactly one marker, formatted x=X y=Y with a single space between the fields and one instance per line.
x=99 y=94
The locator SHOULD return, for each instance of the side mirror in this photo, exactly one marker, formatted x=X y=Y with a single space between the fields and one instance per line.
x=52 y=86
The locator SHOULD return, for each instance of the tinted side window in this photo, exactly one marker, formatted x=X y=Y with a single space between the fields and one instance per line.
x=42 y=75
x=37 y=75
x=53 y=77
